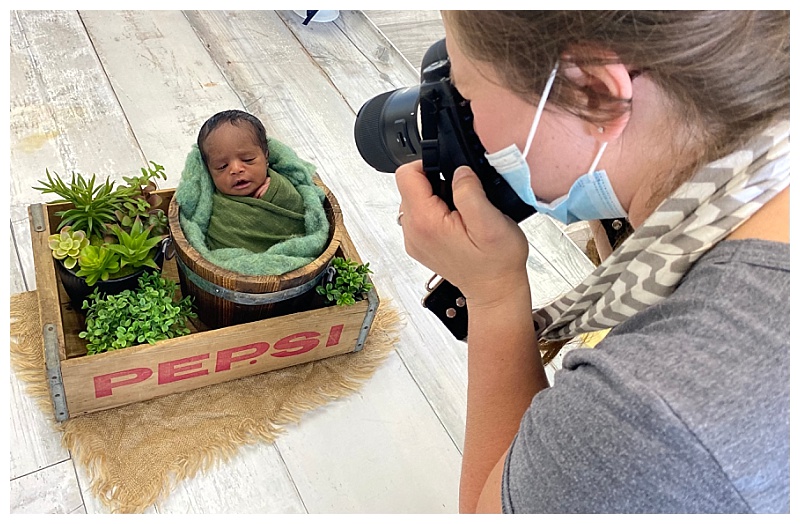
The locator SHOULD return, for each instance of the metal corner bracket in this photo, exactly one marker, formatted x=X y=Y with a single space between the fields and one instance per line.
x=53 y=369
x=372 y=310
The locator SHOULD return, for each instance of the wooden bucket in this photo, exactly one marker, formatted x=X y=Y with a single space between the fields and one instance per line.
x=225 y=298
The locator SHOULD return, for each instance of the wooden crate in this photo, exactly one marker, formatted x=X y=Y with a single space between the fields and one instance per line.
x=81 y=383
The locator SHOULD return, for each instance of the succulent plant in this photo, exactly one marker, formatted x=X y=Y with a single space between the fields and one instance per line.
x=135 y=247
x=94 y=205
x=67 y=245
x=97 y=263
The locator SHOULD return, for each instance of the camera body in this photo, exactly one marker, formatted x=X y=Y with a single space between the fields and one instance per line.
x=432 y=122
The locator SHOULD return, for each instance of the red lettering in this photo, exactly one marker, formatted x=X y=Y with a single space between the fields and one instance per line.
x=103 y=384
x=304 y=342
x=334 y=335
x=225 y=357
x=169 y=371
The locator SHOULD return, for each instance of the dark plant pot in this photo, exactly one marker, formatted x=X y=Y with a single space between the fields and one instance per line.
x=77 y=288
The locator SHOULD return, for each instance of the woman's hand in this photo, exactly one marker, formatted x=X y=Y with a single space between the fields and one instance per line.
x=476 y=248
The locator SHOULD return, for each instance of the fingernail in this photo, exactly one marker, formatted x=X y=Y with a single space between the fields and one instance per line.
x=460 y=171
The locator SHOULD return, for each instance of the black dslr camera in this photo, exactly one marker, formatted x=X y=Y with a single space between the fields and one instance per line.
x=433 y=122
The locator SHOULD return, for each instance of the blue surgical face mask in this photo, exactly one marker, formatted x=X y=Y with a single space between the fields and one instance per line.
x=590 y=197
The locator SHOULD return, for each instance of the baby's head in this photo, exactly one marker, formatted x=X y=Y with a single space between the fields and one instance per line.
x=233 y=145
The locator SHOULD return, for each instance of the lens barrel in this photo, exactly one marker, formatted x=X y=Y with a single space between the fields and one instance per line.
x=386 y=132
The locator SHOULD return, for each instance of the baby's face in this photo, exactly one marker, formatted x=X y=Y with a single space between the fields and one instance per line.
x=237 y=164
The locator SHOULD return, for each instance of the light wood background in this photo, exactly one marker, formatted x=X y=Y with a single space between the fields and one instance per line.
x=105 y=91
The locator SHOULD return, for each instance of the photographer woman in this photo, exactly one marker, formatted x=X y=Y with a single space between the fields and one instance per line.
x=683 y=118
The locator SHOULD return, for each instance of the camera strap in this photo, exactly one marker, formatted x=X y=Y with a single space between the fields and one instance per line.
x=448 y=304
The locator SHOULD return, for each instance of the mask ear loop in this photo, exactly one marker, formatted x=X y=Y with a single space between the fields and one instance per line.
x=597 y=158
x=540 y=110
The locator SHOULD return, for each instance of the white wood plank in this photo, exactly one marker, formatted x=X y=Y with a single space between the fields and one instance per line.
x=253 y=481
x=161 y=75
x=34 y=443
x=51 y=490
x=339 y=48
x=21 y=235
x=546 y=237
x=64 y=115
x=17 y=275
x=415 y=470
x=412 y=32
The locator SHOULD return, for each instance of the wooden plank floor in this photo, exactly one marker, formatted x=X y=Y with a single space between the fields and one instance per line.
x=105 y=91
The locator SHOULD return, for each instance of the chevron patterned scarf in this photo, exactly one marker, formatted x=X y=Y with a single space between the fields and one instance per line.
x=648 y=266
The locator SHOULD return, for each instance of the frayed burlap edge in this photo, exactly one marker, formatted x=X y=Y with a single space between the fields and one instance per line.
x=87 y=448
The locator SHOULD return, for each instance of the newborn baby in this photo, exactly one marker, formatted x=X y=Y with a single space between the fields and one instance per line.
x=254 y=207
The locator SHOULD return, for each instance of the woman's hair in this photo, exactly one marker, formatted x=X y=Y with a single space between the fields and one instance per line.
x=234 y=117
x=726 y=73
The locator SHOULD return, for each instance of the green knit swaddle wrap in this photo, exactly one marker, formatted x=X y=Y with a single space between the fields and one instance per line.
x=195 y=195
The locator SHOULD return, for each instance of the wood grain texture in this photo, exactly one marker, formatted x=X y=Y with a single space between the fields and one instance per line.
x=50 y=490
x=34 y=441
x=17 y=282
x=414 y=471
x=412 y=32
x=255 y=480
x=64 y=115
x=160 y=73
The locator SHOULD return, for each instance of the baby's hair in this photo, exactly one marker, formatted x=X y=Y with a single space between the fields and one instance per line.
x=233 y=117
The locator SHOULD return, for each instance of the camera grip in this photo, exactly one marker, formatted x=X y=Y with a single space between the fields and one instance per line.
x=448 y=303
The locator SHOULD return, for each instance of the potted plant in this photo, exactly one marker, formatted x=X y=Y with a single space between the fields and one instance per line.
x=346 y=282
x=111 y=235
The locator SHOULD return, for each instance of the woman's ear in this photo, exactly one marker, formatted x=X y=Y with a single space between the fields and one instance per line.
x=607 y=90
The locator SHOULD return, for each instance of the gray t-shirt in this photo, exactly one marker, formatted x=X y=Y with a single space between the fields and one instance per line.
x=683 y=408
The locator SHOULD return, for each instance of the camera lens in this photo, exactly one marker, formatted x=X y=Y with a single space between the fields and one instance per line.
x=387 y=131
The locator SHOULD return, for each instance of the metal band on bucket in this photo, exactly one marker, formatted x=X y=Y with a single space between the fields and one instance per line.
x=247 y=299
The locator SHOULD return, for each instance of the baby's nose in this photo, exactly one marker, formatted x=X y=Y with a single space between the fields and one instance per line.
x=237 y=166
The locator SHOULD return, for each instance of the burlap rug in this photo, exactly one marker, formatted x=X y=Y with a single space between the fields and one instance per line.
x=135 y=455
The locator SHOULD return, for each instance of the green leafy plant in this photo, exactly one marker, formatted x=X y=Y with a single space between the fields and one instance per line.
x=350 y=282
x=96 y=263
x=137 y=247
x=143 y=202
x=149 y=314
x=94 y=205
x=67 y=245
